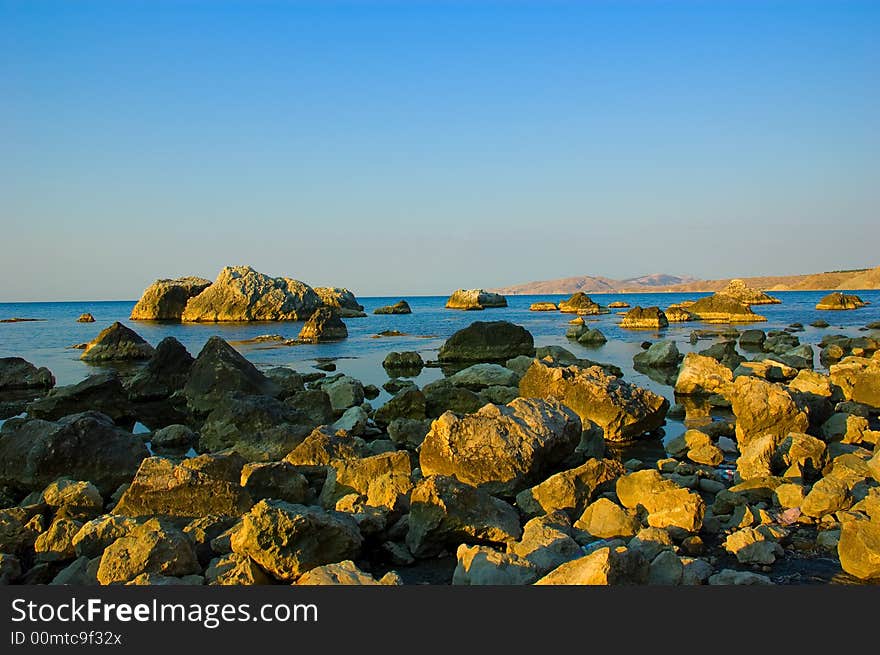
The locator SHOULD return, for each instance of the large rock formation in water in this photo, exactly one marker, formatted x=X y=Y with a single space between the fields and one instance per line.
x=488 y=341
x=840 y=301
x=341 y=300
x=475 y=299
x=721 y=308
x=117 y=343
x=747 y=295
x=165 y=300
x=242 y=294
x=580 y=303
x=324 y=325
x=644 y=318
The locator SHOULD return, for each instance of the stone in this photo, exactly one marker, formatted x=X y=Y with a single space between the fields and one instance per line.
x=165 y=374
x=409 y=403
x=445 y=512
x=17 y=373
x=618 y=304
x=859 y=548
x=220 y=370
x=321 y=447
x=151 y=547
x=56 y=543
x=289 y=381
x=235 y=569
x=341 y=573
x=724 y=352
x=313 y=405
x=827 y=496
x=662 y=354
x=801 y=456
x=482 y=565
x=547 y=542
x=75 y=497
x=840 y=301
x=720 y=308
x=702 y=376
x=10 y=568
x=101 y=392
x=80 y=572
x=275 y=480
x=666 y=570
x=383 y=480
x=259 y=428
x=492 y=341
x=650 y=542
x=752 y=339
x=480 y=376
x=751 y=546
x=239 y=293
x=286 y=540
x=543 y=307
x=591 y=338
x=85 y=318
x=571 y=490
x=762 y=408
x=844 y=427
x=117 y=343
x=323 y=326
x=644 y=318
x=677 y=314
x=501 y=449
x=405 y=362
x=165 y=300
x=623 y=411
x=407 y=432
x=580 y=303
x=605 y=566
x=733 y=577
x=175 y=437
x=859 y=379
x=666 y=504
x=94 y=536
x=747 y=295
x=87 y=446
x=475 y=299
x=353 y=420
x=345 y=392
x=342 y=301
x=162 y=488
x=605 y=519
x=400 y=307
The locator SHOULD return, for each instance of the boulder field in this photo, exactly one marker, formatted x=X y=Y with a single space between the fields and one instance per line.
x=506 y=470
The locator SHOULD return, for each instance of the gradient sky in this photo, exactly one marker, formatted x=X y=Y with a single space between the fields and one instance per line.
x=415 y=147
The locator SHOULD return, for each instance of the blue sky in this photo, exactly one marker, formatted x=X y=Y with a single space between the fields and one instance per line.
x=417 y=147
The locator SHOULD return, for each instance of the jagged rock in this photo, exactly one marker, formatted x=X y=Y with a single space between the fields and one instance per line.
x=324 y=325
x=623 y=411
x=235 y=569
x=286 y=540
x=162 y=488
x=408 y=403
x=662 y=354
x=763 y=408
x=219 y=370
x=605 y=519
x=482 y=565
x=151 y=547
x=342 y=573
x=56 y=543
x=287 y=379
x=117 y=343
x=745 y=294
x=17 y=373
x=644 y=318
x=165 y=300
x=165 y=374
x=480 y=376
x=275 y=480
x=580 y=303
x=74 y=498
x=859 y=379
x=242 y=294
x=666 y=504
x=752 y=339
x=571 y=490
x=618 y=304
x=95 y=535
x=677 y=314
x=85 y=318
x=605 y=566
x=547 y=542
x=342 y=301
x=724 y=352
x=840 y=301
x=384 y=480
x=859 y=548
x=259 y=428
x=400 y=307
x=320 y=448
x=751 y=546
x=475 y=299
x=484 y=341
x=501 y=449
x=827 y=496
x=445 y=512
x=85 y=446
x=720 y=308
x=102 y=392
x=353 y=421
x=407 y=432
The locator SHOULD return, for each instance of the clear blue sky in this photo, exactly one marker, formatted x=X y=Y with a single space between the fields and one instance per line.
x=416 y=147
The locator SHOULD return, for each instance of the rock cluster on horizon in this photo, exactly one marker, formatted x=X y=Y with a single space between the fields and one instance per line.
x=475 y=299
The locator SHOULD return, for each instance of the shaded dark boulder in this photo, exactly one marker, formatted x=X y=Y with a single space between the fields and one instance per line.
x=485 y=341
x=117 y=343
x=17 y=373
x=400 y=307
x=324 y=325
x=102 y=392
x=85 y=446
x=165 y=374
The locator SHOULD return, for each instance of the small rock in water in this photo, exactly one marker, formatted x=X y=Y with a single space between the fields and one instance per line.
x=85 y=318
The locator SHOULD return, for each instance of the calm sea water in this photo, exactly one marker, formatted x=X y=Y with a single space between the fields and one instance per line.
x=47 y=342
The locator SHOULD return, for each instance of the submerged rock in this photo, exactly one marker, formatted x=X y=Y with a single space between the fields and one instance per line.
x=580 y=303
x=117 y=343
x=623 y=411
x=840 y=301
x=501 y=449
x=165 y=300
x=475 y=299
x=324 y=325
x=242 y=294
x=17 y=373
x=486 y=342
x=663 y=354
x=543 y=307
x=342 y=301
x=644 y=318
x=677 y=314
x=720 y=308
x=400 y=307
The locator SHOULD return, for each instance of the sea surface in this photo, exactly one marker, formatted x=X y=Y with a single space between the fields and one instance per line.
x=47 y=342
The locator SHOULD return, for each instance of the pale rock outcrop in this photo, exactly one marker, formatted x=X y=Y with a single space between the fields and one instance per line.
x=475 y=299
x=165 y=300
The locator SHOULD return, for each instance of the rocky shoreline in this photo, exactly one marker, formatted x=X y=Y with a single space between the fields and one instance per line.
x=503 y=471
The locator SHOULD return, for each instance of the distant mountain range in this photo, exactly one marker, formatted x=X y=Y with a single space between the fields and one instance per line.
x=853 y=280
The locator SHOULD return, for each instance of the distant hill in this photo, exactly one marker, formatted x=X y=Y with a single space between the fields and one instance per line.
x=866 y=278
